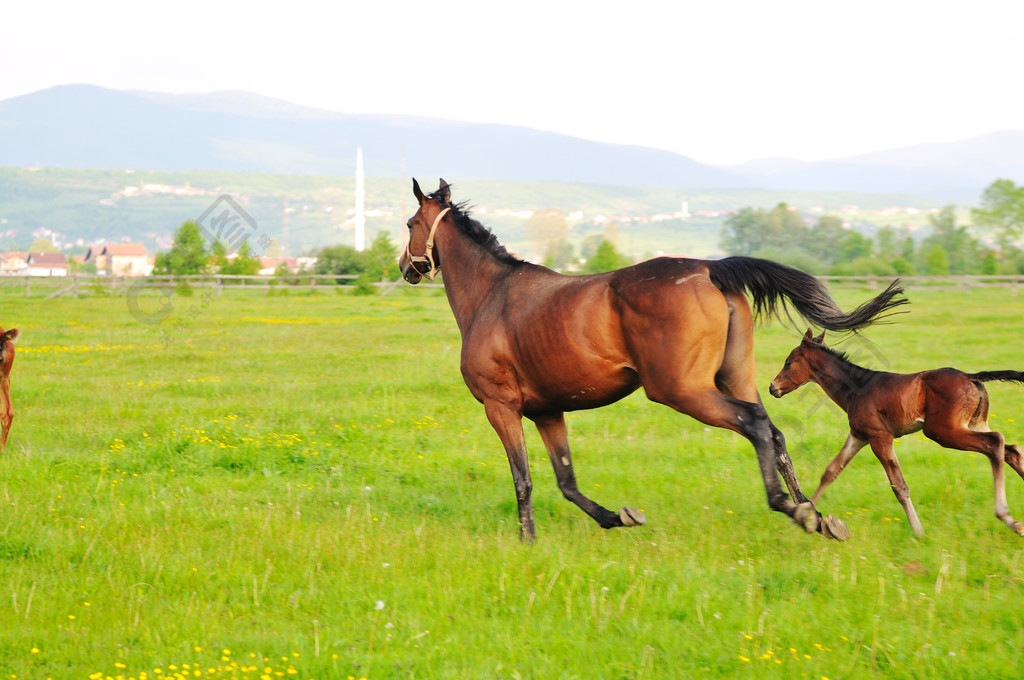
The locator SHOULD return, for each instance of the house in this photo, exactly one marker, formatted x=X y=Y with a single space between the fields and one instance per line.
x=47 y=264
x=13 y=263
x=95 y=256
x=121 y=259
x=269 y=265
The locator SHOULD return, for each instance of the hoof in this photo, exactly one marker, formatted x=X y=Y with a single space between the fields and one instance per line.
x=807 y=517
x=1018 y=528
x=833 y=527
x=632 y=517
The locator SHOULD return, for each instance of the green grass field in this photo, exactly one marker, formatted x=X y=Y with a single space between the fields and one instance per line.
x=301 y=486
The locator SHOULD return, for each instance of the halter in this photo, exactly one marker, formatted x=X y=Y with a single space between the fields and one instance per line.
x=428 y=253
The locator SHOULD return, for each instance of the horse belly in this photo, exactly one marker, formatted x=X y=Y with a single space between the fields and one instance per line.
x=579 y=391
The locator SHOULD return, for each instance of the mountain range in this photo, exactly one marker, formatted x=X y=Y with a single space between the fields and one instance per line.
x=85 y=126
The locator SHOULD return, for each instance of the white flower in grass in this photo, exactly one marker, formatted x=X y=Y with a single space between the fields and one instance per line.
x=379 y=605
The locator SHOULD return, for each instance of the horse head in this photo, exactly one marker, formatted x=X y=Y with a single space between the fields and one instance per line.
x=797 y=369
x=419 y=258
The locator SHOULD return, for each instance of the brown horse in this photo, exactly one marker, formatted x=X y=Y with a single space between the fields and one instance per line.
x=536 y=343
x=6 y=364
x=950 y=406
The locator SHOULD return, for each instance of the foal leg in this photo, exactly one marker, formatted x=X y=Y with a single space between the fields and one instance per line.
x=509 y=426
x=6 y=410
x=552 y=431
x=838 y=464
x=1015 y=457
x=992 y=445
x=886 y=454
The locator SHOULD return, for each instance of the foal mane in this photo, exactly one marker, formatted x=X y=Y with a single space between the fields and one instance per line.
x=856 y=370
x=478 y=233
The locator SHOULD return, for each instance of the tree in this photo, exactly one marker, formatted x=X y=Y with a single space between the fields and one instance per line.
x=744 y=233
x=559 y=255
x=382 y=259
x=244 y=263
x=545 y=228
x=338 y=260
x=962 y=249
x=936 y=260
x=824 y=238
x=853 y=245
x=752 y=231
x=605 y=259
x=42 y=245
x=589 y=245
x=188 y=254
x=1001 y=211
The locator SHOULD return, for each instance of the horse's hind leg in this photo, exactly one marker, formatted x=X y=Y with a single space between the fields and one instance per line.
x=552 y=431
x=886 y=454
x=992 y=445
x=1013 y=454
x=784 y=465
x=736 y=379
x=1015 y=458
x=711 y=407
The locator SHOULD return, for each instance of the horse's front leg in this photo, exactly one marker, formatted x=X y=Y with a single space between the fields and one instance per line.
x=508 y=423
x=552 y=431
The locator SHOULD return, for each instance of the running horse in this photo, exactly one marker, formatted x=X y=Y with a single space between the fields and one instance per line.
x=536 y=343
x=948 y=405
x=6 y=364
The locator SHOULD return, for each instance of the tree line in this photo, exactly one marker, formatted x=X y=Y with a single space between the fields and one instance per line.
x=821 y=246
x=827 y=247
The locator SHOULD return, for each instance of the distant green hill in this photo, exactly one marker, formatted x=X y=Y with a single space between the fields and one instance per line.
x=84 y=206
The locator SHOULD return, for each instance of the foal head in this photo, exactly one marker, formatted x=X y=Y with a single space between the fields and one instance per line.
x=419 y=258
x=797 y=370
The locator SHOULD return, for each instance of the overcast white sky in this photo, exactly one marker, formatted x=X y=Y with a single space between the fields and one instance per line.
x=722 y=82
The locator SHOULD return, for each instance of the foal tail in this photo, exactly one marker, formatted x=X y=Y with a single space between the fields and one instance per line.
x=771 y=285
x=1006 y=376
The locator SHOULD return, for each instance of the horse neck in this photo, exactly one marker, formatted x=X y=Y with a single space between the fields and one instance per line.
x=470 y=271
x=839 y=378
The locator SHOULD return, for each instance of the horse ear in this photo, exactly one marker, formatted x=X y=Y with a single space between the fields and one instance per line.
x=820 y=340
x=444 y=192
x=416 y=191
x=808 y=335
x=11 y=335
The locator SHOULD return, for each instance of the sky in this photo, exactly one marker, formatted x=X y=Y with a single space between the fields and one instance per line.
x=721 y=82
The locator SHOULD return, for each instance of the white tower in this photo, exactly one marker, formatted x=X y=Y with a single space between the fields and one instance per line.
x=360 y=197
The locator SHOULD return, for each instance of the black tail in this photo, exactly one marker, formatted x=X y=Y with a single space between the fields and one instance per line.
x=771 y=284
x=1006 y=376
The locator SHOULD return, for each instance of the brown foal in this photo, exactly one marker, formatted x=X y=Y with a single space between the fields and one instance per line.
x=6 y=364
x=949 y=406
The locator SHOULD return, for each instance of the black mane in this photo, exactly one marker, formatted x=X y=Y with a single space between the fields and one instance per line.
x=479 y=234
x=860 y=374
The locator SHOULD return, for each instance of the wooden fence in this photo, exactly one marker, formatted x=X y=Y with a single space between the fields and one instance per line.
x=75 y=285
x=86 y=284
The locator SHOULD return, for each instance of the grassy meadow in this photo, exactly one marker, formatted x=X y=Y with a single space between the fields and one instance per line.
x=299 y=485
